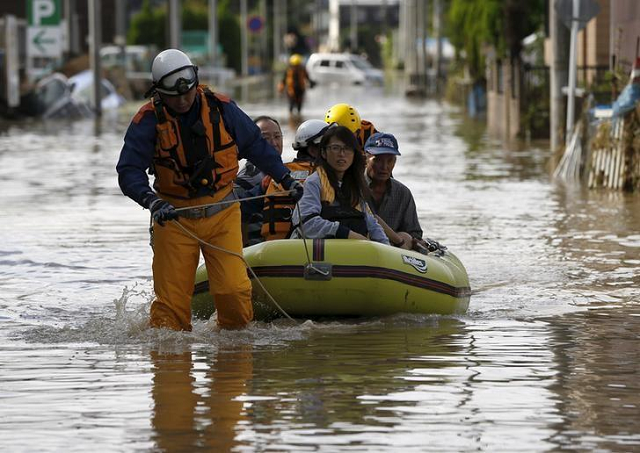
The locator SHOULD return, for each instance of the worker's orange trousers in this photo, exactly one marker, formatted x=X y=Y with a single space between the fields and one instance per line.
x=175 y=260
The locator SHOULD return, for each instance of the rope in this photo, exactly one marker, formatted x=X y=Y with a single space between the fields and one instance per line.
x=215 y=247
x=234 y=200
x=237 y=200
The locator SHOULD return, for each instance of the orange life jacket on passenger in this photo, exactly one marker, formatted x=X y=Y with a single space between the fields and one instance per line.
x=194 y=161
x=278 y=209
x=295 y=80
x=367 y=129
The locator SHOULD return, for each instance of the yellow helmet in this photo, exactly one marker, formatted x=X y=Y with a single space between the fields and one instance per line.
x=344 y=115
x=295 y=59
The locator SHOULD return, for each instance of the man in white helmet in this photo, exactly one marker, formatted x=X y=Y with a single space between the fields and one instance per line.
x=190 y=139
x=277 y=211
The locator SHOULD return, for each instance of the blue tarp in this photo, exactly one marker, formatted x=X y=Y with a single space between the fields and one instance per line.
x=627 y=100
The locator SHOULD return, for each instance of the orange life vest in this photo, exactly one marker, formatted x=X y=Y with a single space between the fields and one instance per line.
x=279 y=208
x=295 y=80
x=195 y=161
x=367 y=129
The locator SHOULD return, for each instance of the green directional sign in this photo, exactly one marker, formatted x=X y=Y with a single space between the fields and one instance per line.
x=44 y=33
x=43 y=12
x=40 y=40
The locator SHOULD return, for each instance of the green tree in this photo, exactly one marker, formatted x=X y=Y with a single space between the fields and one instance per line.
x=148 y=27
x=475 y=25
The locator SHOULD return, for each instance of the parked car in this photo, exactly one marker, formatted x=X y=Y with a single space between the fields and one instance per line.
x=57 y=96
x=138 y=57
x=82 y=91
x=342 y=68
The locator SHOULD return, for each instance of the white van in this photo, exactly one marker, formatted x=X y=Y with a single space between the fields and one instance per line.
x=342 y=68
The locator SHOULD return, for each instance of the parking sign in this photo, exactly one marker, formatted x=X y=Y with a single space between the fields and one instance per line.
x=44 y=34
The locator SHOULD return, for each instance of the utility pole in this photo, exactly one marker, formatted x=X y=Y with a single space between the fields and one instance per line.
x=558 y=71
x=437 y=30
x=277 y=33
x=71 y=24
x=403 y=45
x=264 y=51
x=120 y=38
x=353 y=31
x=95 y=41
x=571 y=101
x=334 y=25
x=213 y=32
x=244 y=42
x=411 y=56
x=175 y=24
x=421 y=54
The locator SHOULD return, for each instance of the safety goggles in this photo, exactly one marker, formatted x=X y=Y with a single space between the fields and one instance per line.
x=178 y=82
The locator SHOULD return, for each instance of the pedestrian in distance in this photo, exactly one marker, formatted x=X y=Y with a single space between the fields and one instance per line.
x=294 y=83
x=334 y=202
x=190 y=140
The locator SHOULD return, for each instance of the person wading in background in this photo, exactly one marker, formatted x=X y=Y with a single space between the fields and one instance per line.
x=294 y=83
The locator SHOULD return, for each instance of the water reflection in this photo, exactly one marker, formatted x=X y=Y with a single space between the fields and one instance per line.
x=601 y=257
x=196 y=398
x=598 y=363
x=359 y=386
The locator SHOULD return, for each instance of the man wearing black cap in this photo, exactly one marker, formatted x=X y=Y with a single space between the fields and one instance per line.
x=391 y=200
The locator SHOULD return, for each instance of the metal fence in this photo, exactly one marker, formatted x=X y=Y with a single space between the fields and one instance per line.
x=535 y=102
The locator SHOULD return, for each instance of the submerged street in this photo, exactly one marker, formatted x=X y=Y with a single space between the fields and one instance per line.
x=546 y=357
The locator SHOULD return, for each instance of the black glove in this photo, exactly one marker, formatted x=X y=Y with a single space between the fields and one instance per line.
x=433 y=245
x=161 y=210
x=293 y=186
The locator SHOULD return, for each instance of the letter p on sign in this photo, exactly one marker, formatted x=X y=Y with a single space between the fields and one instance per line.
x=43 y=12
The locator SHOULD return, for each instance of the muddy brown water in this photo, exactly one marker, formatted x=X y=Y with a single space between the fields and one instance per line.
x=546 y=358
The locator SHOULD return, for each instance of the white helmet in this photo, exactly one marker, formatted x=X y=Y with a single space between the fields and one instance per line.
x=308 y=133
x=173 y=73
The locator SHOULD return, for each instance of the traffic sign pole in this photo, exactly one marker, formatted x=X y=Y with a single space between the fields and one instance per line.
x=571 y=101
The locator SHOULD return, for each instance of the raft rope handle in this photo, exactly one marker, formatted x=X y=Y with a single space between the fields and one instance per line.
x=304 y=242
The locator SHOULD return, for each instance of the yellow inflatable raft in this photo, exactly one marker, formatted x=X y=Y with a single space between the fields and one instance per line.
x=341 y=277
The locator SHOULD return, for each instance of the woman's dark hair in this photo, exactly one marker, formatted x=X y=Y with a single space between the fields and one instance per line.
x=354 y=187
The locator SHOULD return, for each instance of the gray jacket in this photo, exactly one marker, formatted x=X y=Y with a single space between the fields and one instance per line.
x=319 y=228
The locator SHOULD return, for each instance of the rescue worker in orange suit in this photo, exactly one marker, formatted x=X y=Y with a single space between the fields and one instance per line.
x=347 y=116
x=294 y=82
x=190 y=139
x=277 y=210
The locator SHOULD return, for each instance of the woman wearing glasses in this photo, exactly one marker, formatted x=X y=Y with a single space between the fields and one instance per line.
x=333 y=204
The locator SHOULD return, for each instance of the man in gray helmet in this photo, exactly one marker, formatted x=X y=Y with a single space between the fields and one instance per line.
x=190 y=139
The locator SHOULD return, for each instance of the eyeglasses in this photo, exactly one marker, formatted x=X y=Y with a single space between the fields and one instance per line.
x=340 y=149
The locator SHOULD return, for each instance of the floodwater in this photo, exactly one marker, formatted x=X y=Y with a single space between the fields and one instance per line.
x=546 y=358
